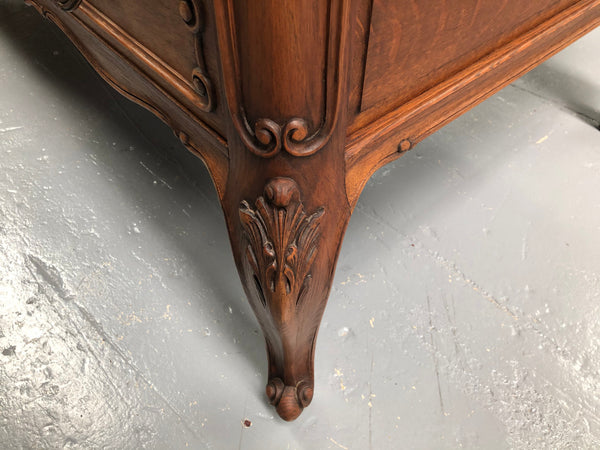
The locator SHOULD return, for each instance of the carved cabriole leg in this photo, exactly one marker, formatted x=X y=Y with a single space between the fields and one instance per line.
x=286 y=218
x=285 y=200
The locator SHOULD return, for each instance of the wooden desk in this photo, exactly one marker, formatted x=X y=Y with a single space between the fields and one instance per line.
x=293 y=104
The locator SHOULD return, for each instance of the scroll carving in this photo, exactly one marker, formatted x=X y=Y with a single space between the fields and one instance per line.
x=267 y=137
x=68 y=5
x=282 y=245
x=192 y=13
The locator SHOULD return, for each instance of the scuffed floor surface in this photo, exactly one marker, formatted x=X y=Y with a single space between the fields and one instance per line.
x=465 y=312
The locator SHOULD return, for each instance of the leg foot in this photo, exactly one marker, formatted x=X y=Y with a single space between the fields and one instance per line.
x=289 y=400
x=286 y=251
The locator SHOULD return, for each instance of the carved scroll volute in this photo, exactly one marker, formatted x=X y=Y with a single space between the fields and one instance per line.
x=68 y=5
x=192 y=14
x=281 y=246
x=283 y=65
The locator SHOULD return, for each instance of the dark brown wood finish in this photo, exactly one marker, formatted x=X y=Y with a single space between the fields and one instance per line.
x=285 y=203
x=465 y=30
x=293 y=104
x=393 y=132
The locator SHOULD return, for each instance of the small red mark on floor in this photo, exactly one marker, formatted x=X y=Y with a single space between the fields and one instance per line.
x=247 y=423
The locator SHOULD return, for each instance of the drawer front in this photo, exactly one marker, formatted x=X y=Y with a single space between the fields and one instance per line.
x=177 y=41
x=415 y=44
x=158 y=26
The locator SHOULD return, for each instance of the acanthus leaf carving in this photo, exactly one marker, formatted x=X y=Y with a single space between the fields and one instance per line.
x=282 y=245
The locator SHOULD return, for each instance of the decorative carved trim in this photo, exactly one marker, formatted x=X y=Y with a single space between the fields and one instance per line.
x=192 y=13
x=282 y=245
x=289 y=400
x=68 y=5
x=267 y=137
x=214 y=153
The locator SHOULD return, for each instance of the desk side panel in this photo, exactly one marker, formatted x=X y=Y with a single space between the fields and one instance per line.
x=414 y=45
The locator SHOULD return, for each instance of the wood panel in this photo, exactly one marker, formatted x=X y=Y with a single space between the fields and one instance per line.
x=179 y=35
x=102 y=49
x=157 y=28
x=414 y=45
x=399 y=130
x=267 y=65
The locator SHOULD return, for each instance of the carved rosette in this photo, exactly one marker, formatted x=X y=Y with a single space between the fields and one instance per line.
x=192 y=13
x=68 y=5
x=282 y=245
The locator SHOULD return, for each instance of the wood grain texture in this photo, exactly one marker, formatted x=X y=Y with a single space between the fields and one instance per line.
x=184 y=53
x=282 y=247
x=293 y=104
x=130 y=69
x=284 y=67
x=430 y=40
x=388 y=137
x=285 y=203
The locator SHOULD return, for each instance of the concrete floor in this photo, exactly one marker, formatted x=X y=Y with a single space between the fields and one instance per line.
x=464 y=313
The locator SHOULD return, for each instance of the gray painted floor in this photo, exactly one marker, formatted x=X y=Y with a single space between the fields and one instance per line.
x=465 y=309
